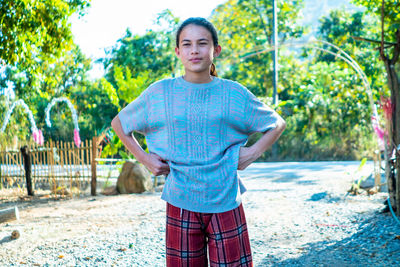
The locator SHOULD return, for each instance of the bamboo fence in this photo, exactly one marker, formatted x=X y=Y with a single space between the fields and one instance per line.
x=57 y=166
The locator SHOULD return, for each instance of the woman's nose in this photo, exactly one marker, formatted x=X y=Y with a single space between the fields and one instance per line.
x=195 y=49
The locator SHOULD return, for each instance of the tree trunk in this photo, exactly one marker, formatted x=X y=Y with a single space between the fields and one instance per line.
x=94 y=166
x=396 y=137
x=394 y=133
x=393 y=180
x=28 y=167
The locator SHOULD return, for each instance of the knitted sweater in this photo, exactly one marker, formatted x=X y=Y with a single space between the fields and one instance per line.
x=198 y=129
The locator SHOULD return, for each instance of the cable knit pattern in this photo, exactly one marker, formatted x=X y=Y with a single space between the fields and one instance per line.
x=198 y=129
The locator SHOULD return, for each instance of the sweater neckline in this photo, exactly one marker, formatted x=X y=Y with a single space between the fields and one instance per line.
x=214 y=82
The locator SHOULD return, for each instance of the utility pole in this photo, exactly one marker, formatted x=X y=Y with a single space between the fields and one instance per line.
x=275 y=93
x=275 y=25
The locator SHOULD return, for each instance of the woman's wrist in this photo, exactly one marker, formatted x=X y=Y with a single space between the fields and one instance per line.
x=142 y=157
x=255 y=151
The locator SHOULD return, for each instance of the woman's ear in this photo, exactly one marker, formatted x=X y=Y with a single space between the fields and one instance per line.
x=177 y=51
x=217 y=50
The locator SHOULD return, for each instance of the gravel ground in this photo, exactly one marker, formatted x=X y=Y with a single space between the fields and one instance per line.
x=298 y=214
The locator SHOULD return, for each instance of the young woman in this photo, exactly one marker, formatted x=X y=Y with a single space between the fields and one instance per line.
x=196 y=127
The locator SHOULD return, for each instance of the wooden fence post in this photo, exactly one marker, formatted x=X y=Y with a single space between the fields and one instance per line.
x=94 y=169
x=28 y=167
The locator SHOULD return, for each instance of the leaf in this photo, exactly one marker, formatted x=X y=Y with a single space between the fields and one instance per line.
x=124 y=155
x=363 y=161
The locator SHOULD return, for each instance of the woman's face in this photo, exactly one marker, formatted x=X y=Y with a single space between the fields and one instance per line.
x=196 y=49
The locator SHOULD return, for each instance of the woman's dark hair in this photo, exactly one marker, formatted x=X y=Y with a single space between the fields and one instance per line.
x=203 y=23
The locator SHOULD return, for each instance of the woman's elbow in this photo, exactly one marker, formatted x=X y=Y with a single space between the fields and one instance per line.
x=114 y=122
x=282 y=125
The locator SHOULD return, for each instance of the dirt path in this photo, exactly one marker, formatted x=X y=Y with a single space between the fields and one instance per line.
x=297 y=214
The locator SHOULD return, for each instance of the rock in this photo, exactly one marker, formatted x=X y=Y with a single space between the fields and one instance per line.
x=367 y=182
x=15 y=234
x=134 y=178
x=110 y=191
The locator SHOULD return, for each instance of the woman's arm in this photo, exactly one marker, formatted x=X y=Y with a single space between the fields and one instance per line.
x=152 y=161
x=250 y=154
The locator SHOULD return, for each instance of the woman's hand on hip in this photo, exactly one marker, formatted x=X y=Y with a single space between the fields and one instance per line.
x=156 y=164
x=246 y=157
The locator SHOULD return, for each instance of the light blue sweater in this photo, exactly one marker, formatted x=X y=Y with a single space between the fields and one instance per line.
x=198 y=129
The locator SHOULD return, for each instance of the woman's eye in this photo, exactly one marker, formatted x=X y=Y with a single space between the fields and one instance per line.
x=203 y=43
x=185 y=44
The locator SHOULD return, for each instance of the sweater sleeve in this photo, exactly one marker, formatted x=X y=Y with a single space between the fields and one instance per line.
x=258 y=116
x=134 y=116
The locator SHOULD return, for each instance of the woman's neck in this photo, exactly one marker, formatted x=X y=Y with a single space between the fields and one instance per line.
x=198 y=77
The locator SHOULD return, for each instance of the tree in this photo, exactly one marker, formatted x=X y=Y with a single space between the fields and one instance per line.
x=32 y=29
x=246 y=26
x=323 y=102
x=97 y=103
x=65 y=75
x=389 y=49
x=41 y=60
x=341 y=27
x=151 y=53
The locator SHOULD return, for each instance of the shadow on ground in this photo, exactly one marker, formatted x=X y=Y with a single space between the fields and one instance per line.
x=377 y=240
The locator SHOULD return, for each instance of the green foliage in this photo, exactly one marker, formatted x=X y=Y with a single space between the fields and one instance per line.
x=129 y=87
x=246 y=26
x=322 y=99
x=327 y=113
x=357 y=176
x=391 y=15
x=142 y=59
x=112 y=148
x=339 y=28
x=35 y=29
x=326 y=108
x=42 y=62
x=66 y=76
x=97 y=103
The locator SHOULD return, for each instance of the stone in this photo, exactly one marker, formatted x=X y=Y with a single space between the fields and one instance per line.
x=134 y=178
x=110 y=191
x=15 y=234
x=367 y=182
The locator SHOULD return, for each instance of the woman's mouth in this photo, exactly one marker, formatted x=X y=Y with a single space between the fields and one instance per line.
x=195 y=60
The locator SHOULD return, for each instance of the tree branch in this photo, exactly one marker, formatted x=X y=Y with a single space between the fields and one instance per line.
x=371 y=41
x=379 y=48
x=261 y=19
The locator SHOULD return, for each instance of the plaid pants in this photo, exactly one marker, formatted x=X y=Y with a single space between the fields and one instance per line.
x=188 y=233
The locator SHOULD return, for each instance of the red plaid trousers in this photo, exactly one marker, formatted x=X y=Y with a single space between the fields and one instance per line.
x=189 y=233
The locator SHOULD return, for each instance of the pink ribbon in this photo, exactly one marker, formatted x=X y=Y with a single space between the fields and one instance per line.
x=77 y=138
x=38 y=137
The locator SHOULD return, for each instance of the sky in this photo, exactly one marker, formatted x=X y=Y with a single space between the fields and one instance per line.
x=106 y=21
